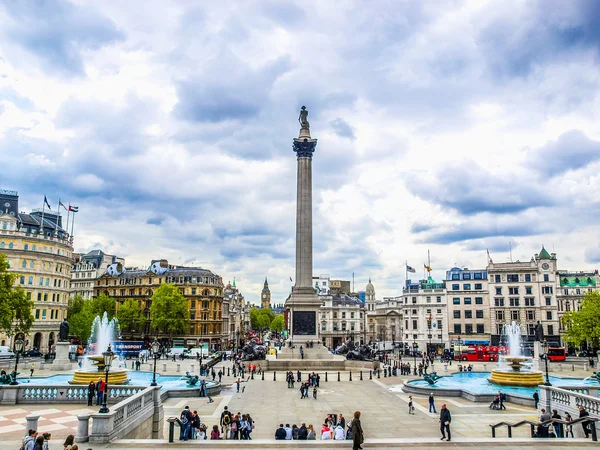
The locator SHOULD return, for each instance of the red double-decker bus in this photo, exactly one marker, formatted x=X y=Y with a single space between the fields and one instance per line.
x=480 y=353
x=557 y=354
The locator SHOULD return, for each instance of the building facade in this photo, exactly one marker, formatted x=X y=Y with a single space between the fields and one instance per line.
x=341 y=317
x=571 y=288
x=40 y=252
x=524 y=292
x=425 y=315
x=237 y=322
x=265 y=295
x=86 y=268
x=202 y=289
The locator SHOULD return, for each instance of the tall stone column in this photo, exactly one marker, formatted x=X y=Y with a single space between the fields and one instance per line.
x=303 y=302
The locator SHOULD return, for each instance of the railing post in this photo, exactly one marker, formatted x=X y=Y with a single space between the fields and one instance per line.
x=350 y=379
x=594 y=431
x=338 y=376
x=493 y=431
x=370 y=374
x=83 y=428
x=361 y=378
x=532 y=430
x=32 y=423
x=263 y=375
x=509 y=431
x=274 y=376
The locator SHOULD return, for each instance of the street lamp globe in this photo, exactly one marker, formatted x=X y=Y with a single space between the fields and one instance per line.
x=108 y=356
x=155 y=347
x=19 y=345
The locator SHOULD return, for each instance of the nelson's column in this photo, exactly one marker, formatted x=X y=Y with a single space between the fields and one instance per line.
x=303 y=303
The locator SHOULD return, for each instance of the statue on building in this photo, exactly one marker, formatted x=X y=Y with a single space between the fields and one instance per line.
x=539 y=332
x=63 y=333
x=303 y=118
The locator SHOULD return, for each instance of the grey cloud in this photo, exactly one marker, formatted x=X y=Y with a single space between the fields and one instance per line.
x=342 y=128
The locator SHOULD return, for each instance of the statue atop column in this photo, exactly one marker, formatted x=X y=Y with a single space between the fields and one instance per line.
x=303 y=119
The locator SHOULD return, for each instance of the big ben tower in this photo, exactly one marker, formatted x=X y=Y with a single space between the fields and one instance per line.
x=266 y=295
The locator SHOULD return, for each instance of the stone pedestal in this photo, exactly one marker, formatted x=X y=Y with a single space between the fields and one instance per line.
x=32 y=423
x=537 y=351
x=62 y=361
x=83 y=428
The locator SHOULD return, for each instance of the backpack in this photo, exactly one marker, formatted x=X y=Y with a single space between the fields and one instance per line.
x=183 y=418
x=226 y=419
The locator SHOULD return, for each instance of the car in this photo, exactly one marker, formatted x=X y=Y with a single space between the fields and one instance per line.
x=33 y=353
x=6 y=352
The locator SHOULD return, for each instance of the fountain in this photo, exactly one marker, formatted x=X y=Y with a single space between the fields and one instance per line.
x=104 y=332
x=515 y=369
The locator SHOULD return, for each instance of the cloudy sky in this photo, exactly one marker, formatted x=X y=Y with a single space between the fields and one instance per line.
x=452 y=126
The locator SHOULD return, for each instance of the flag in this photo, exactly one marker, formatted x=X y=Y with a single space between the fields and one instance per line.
x=46 y=202
x=73 y=208
x=410 y=269
x=429 y=269
x=291 y=279
x=63 y=205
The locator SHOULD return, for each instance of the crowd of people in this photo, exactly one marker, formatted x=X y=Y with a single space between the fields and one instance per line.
x=233 y=426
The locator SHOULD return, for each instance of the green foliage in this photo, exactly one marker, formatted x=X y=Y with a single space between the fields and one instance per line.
x=130 y=316
x=169 y=310
x=277 y=324
x=584 y=325
x=261 y=318
x=81 y=314
x=15 y=307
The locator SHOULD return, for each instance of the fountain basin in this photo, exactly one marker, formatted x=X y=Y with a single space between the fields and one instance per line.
x=115 y=376
x=516 y=378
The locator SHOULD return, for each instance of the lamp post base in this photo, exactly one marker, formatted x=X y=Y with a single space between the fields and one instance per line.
x=104 y=409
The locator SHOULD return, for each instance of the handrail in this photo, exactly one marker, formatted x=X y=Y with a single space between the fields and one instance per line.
x=533 y=424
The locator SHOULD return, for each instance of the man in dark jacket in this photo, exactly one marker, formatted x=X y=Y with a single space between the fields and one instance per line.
x=302 y=432
x=445 y=419
x=587 y=423
x=280 y=433
x=185 y=423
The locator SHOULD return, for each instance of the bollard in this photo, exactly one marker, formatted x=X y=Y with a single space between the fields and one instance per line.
x=370 y=374
x=350 y=379
x=338 y=376
x=178 y=368
x=274 y=377
x=325 y=376
x=252 y=375
x=42 y=365
x=559 y=367
x=132 y=366
x=384 y=372
x=32 y=423
x=150 y=368
x=228 y=371
x=164 y=367
x=572 y=367
x=263 y=376
x=361 y=376
x=445 y=367
x=192 y=369
x=171 y=421
x=83 y=428
x=585 y=366
x=379 y=374
x=485 y=368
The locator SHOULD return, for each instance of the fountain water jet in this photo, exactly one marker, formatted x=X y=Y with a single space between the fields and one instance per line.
x=104 y=332
x=514 y=369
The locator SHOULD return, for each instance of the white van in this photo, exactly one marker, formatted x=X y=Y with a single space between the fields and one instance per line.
x=6 y=352
x=202 y=351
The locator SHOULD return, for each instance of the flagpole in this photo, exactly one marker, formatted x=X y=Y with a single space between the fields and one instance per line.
x=68 y=214
x=43 y=210
x=406 y=273
x=73 y=223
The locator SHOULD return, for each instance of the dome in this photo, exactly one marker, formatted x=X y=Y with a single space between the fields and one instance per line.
x=370 y=288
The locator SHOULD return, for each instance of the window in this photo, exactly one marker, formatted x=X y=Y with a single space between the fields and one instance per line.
x=550 y=329
x=530 y=315
x=22 y=280
x=343 y=315
x=515 y=315
x=527 y=278
x=546 y=289
x=529 y=301
x=39 y=297
x=468 y=314
x=30 y=280
x=479 y=300
x=456 y=301
x=546 y=278
x=414 y=312
x=428 y=299
x=323 y=327
x=31 y=265
x=497 y=278
x=45 y=296
x=193 y=291
x=478 y=286
x=457 y=328
x=438 y=299
x=456 y=314
x=414 y=324
x=499 y=302
x=439 y=311
x=512 y=278
x=499 y=316
x=37 y=313
x=25 y=247
x=548 y=301
x=549 y=315
x=466 y=276
x=498 y=291
x=513 y=291
x=10 y=245
x=480 y=329
x=578 y=291
x=43 y=314
x=456 y=276
x=467 y=286
x=479 y=314
x=514 y=302
x=528 y=290
x=467 y=300
x=414 y=300
x=24 y=264
x=469 y=328
x=531 y=329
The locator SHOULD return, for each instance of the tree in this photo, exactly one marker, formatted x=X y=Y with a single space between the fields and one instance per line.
x=130 y=316
x=260 y=318
x=584 y=325
x=81 y=314
x=15 y=307
x=169 y=310
x=277 y=324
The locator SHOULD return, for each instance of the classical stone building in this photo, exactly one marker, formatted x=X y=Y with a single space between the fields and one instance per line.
x=86 y=268
x=524 y=292
x=42 y=261
x=468 y=307
x=236 y=317
x=341 y=317
x=202 y=289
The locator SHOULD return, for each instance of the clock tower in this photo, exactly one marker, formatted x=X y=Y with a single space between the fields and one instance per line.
x=265 y=300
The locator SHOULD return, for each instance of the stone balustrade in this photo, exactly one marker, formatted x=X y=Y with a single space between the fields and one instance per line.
x=67 y=393
x=568 y=399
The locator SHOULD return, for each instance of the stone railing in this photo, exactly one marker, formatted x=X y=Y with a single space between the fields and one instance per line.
x=67 y=393
x=138 y=417
x=569 y=400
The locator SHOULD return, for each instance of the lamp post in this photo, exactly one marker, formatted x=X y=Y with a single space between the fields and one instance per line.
x=459 y=348
x=108 y=356
x=545 y=347
x=18 y=349
x=415 y=346
x=155 y=346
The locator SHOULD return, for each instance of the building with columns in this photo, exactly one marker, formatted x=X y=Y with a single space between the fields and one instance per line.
x=236 y=315
x=341 y=317
x=40 y=253
x=86 y=268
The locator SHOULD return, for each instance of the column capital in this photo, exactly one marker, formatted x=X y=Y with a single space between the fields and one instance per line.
x=305 y=147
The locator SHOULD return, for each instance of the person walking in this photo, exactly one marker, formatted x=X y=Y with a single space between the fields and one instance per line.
x=225 y=422
x=432 y=403
x=558 y=427
x=411 y=408
x=237 y=385
x=301 y=353
x=536 y=399
x=502 y=398
x=31 y=369
x=91 y=391
x=315 y=392
x=445 y=419
x=301 y=391
x=358 y=436
x=587 y=423
x=569 y=428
